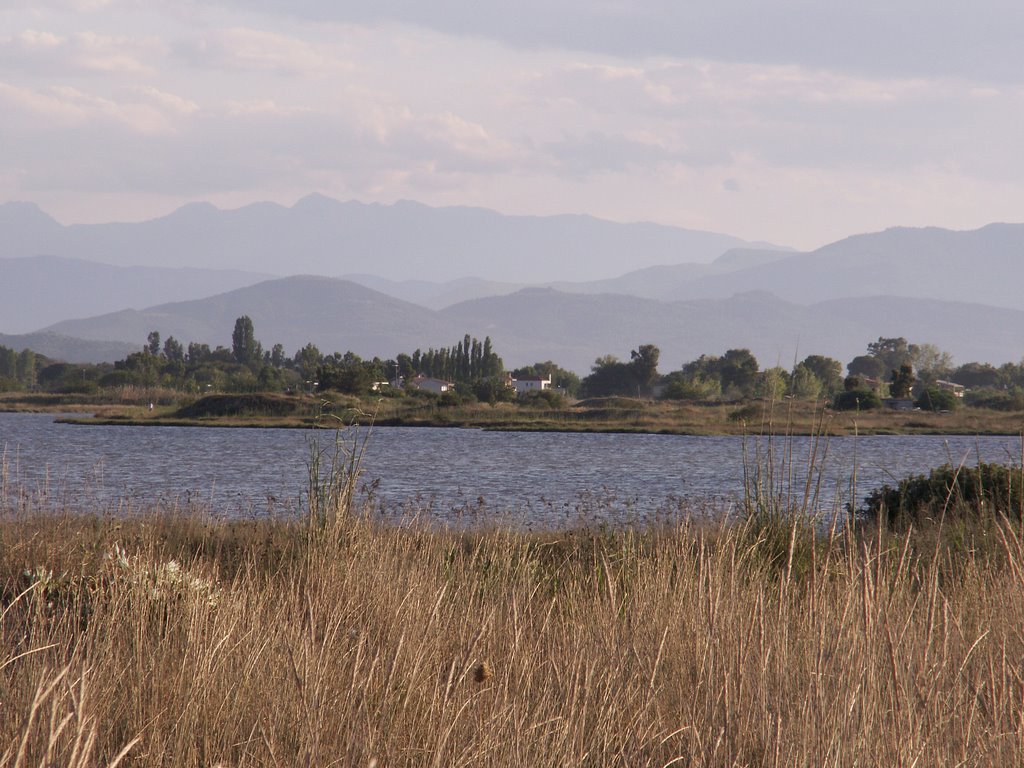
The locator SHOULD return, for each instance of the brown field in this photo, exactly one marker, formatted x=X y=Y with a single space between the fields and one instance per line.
x=168 y=639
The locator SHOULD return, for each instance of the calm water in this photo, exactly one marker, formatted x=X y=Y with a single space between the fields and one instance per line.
x=529 y=478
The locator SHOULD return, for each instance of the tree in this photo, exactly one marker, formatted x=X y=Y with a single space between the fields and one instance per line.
x=153 y=343
x=197 y=353
x=902 y=381
x=307 y=359
x=892 y=353
x=771 y=383
x=977 y=375
x=738 y=372
x=26 y=368
x=277 y=356
x=804 y=384
x=243 y=342
x=931 y=363
x=609 y=377
x=644 y=363
x=827 y=370
x=173 y=350
x=866 y=366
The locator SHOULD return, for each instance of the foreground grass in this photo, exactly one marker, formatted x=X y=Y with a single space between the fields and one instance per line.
x=192 y=642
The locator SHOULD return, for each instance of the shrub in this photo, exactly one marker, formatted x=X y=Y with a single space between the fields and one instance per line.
x=988 y=489
x=546 y=398
x=450 y=399
x=856 y=400
x=935 y=399
x=995 y=400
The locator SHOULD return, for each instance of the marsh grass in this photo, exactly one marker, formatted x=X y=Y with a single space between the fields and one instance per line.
x=181 y=640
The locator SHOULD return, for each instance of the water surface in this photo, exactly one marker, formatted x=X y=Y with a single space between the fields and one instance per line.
x=531 y=478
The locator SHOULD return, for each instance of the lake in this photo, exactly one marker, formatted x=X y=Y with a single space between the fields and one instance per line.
x=526 y=478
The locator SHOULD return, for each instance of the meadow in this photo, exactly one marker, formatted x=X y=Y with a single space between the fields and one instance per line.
x=180 y=639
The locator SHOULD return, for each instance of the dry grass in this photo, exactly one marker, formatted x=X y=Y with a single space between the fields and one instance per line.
x=180 y=641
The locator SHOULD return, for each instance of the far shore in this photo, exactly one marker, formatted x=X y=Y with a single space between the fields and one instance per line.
x=605 y=415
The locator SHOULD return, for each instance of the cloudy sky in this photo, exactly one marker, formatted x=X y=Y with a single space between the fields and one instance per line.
x=794 y=121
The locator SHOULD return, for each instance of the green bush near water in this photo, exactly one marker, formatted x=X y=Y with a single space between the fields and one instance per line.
x=983 y=490
x=856 y=400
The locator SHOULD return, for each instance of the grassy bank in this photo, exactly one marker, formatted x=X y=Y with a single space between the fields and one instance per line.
x=599 y=415
x=194 y=642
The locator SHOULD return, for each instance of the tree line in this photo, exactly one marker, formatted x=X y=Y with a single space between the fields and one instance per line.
x=889 y=367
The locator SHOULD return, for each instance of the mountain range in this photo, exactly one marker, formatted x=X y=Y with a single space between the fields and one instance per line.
x=571 y=328
x=407 y=240
x=953 y=289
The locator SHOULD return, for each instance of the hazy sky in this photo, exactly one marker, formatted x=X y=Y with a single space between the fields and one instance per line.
x=798 y=122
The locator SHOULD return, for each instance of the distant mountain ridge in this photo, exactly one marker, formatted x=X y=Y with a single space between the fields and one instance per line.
x=337 y=315
x=572 y=329
x=984 y=266
x=69 y=349
x=41 y=290
x=406 y=240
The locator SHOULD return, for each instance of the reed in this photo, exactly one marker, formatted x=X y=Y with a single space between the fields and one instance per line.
x=182 y=640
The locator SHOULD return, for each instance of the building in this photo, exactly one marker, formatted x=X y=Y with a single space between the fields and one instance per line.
x=528 y=384
x=427 y=384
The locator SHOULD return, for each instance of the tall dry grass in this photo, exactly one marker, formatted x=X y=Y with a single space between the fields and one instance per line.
x=181 y=641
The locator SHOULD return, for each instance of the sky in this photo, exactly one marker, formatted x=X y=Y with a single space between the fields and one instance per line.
x=797 y=122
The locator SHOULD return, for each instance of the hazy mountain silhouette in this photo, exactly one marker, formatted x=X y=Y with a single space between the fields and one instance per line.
x=404 y=241
x=984 y=265
x=650 y=282
x=68 y=349
x=575 y=329
x=41 y=290
x=570 y=328
x=336 y=315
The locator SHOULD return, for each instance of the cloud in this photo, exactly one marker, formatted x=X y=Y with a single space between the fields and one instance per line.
x=47 y=112
x=255 y=50
x=913 y=37
x=45 y=53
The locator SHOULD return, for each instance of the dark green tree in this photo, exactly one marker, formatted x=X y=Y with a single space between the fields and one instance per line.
x=867 y=366
x=306 y=360
x=738 y=372
x=277 y=356
x=644 y=365
x=243 y=342
x=153 y=343
x=173 y=350
x=901 y=381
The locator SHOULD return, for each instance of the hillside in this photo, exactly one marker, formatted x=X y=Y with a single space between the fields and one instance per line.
x=68 y=349
x=575 y=329
x=984 y=266
x=41 y=290
x=572 y=329
x=337 y=315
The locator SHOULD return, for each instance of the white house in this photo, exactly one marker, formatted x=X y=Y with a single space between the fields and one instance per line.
x=949 y=386
x=528 y=384
x=427 y=384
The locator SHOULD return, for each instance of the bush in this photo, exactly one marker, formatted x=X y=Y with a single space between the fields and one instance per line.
x=546 y=398
x=934 y=399
x=856 y=400
x=995 y=400
x=965 y=491
x=450 y=399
